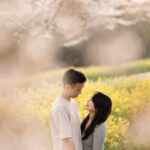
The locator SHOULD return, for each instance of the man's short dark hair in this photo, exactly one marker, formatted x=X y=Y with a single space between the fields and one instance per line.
x=73 y=76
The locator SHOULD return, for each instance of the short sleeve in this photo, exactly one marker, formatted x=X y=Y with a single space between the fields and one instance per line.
x=63 y=123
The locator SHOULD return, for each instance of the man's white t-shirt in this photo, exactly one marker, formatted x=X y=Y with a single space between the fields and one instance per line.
x=65 y=123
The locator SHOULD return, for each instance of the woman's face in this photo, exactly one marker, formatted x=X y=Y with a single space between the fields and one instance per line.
x=90 y=105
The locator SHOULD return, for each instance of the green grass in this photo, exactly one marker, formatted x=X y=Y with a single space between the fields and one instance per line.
x=95 y=72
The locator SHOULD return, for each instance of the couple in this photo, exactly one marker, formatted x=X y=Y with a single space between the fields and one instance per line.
x=66 y=132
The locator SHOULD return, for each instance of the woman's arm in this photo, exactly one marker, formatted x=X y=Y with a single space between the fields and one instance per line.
x=99 y=137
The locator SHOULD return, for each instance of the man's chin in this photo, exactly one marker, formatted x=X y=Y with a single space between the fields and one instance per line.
x=74 y=96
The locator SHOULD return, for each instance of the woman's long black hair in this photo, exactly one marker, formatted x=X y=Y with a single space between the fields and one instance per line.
x=103 y=105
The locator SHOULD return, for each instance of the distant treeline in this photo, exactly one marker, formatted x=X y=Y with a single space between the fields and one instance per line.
x=79 y=55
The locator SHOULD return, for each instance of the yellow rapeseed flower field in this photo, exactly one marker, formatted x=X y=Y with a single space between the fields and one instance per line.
x=130 y=95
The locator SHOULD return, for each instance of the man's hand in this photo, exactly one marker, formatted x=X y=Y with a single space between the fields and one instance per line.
x=68 y=143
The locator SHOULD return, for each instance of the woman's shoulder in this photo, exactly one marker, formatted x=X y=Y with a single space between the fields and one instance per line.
x=101 y=125
x=99 y=137
x=100 y=128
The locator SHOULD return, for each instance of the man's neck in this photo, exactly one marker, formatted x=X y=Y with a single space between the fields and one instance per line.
x=65 y=96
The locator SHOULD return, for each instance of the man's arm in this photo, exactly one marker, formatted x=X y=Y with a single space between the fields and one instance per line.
x=68 y=143
x=63 y=124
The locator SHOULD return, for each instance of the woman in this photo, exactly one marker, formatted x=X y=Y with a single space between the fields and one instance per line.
x=93 y=126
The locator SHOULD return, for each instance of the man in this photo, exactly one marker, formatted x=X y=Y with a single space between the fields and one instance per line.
x=64 y=119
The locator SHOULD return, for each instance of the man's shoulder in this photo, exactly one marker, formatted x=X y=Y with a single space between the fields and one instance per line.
x=75 y=105
x=74 y=102
x=58 y=105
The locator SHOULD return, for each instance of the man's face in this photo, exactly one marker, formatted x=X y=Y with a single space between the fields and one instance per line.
x=75 y=90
